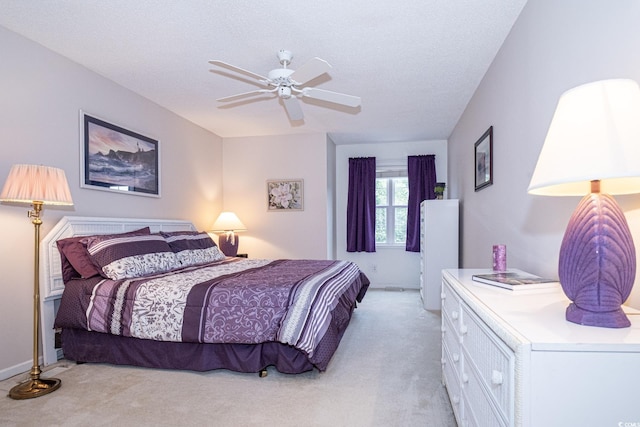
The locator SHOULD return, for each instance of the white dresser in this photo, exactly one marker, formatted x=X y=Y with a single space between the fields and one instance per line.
x=438 y=246
x=511 y=359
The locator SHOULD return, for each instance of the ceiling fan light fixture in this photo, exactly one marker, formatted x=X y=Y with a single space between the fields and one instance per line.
x=284 y=92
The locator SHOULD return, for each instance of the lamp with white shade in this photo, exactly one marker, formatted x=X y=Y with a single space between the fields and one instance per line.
x=592 y=149
x=37 y=186
x=228 y=224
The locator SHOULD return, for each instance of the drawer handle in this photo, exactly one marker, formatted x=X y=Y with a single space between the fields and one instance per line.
x=455 y=315
x=443 y=295
x=465 y=378
x=456 y=399
x=496 y=377
x=463 y=329
x=456 y=357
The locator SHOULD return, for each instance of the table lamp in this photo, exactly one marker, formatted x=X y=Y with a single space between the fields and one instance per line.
x=592 y=149
x=228 y=224
x=38 y=186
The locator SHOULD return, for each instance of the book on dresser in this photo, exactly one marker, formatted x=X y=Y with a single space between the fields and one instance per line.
x=515 y=280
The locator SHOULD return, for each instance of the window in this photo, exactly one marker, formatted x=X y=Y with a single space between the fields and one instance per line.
x=392 y=196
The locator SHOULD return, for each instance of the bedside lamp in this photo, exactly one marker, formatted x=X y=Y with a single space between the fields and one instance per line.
x=592 y=149
x=37 y=186
x=229 y=224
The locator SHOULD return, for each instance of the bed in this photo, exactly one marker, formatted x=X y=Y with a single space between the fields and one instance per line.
x=164 y=296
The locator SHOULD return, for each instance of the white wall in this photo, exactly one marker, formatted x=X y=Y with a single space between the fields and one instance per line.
x=331 y=199
x=248 y=163
x=554 y=46
x=390 y=266
x=41 y=95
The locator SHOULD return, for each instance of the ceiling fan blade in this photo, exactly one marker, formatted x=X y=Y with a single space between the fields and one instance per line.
x=238 y=70
x=335 y=97
x=243 y=95
x=310 y=70
x=292 y=105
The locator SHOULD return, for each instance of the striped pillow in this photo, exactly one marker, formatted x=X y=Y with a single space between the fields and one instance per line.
x=193 y=247
x=75 y=259
x=128 y=257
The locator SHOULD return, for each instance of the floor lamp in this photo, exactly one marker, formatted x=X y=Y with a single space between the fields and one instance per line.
x=38 y=186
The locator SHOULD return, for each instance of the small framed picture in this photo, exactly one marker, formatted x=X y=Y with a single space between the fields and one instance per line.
x=117 y=159
x=484 y=160
x=285 y=195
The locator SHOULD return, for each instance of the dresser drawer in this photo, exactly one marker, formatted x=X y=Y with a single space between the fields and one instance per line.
x=478 y=409
x=451 y=377
x=450 y=303
x=451 y=339
x=492 y=361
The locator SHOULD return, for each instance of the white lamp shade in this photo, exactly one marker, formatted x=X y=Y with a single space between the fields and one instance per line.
x=36 y=183
x=594 y=135
x=228 y=221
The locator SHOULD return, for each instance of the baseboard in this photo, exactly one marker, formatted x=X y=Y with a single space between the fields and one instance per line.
x=24 y=367
x=393 y=286
x=14 y=370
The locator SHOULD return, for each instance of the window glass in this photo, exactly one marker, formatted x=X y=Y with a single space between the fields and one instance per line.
x=400 y=232
x=400 y=191
x=392 y=196
x=382 y=191
x=381 y=225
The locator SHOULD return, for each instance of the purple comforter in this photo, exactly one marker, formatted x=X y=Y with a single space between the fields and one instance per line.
x=240 y=301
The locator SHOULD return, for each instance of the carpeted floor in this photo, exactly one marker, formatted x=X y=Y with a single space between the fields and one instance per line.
x=385 y=373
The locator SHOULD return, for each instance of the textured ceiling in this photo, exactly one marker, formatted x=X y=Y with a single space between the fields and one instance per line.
x=414 y=63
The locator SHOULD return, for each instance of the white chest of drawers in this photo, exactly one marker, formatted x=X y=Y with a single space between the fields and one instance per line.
x=438 y=246
x=511 y=359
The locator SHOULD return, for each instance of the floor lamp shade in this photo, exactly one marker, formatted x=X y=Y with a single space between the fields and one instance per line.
x=34 y=183
x=37 y=185
x=228 y=224
x=592 y=150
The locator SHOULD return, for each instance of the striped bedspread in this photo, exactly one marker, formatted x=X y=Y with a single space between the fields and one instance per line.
x=242 y=301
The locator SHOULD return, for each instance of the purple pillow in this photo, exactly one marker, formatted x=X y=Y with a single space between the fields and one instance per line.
x=193 y=247
x=75 y=259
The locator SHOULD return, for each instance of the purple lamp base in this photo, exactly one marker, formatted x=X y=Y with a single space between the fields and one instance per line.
x=228 y=243
x=607 y=319
x=597 y=263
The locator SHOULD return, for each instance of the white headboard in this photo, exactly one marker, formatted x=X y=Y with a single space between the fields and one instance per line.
x=51 y=284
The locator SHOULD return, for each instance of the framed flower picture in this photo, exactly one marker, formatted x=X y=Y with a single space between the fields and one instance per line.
x=285 y=195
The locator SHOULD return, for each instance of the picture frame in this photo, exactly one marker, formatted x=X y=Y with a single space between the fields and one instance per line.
x=483 y=160
x=285 y=195
x=117 y=159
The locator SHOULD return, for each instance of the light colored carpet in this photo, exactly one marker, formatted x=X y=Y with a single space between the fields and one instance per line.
x=386 y=372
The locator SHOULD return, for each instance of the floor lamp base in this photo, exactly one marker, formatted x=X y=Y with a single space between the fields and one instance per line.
x=34 y=388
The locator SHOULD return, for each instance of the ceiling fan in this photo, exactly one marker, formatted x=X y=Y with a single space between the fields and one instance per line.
x=288 y=84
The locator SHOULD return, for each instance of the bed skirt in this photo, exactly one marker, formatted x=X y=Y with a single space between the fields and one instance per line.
x=94 y=347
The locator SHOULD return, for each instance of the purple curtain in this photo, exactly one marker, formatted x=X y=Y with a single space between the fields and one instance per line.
x=422 y=181
x=361 y=205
